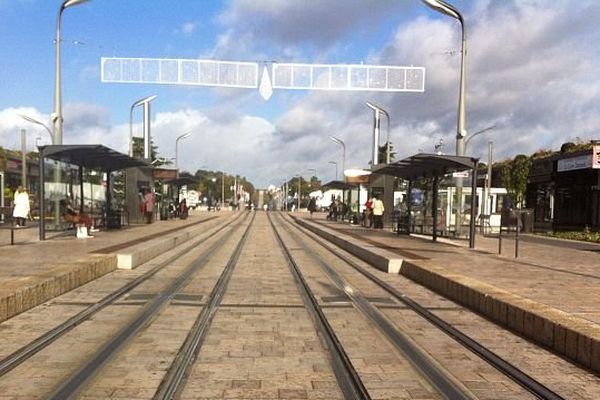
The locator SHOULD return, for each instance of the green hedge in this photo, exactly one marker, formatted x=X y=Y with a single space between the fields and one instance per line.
x=583 y=236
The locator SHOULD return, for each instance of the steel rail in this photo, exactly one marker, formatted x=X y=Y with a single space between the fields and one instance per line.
x=446 y=385
x=24 y=353
x=171 y=383
x=347 y=377
x=74 y=383
x=505 y=367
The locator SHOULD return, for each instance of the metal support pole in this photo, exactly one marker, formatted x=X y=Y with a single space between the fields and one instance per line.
x=147 y=139
x=376 y=132
x=24 y=158
x=489 y=181
x=42 y=195
x=473 y=211
x=434 y=206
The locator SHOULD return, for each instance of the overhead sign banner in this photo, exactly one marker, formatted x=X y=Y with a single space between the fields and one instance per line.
x=235 y=74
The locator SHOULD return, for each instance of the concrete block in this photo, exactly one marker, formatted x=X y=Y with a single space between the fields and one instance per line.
x=584 y=350
x=560 y=338
x=595 y=355
x=571 y=344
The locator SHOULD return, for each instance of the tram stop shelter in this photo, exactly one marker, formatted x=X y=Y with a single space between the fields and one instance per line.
x=435 y=166
x=346 y=189
x=90 y=156
x=177 y=183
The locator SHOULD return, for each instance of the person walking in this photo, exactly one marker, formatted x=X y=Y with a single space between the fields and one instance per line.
x=378 y=211
x=21 y=206
x=312 y=206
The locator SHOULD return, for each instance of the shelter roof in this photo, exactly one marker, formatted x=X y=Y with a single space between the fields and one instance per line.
x=182 y=180
x=425 y=165
x=91 y=156
x=337 y=185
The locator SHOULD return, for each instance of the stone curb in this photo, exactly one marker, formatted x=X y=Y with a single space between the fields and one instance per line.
x=379 y=258
x=139 y=254
x=55 y=281
x=570 y=336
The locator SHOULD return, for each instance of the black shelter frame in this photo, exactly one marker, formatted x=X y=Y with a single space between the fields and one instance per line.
x=425 y=165
x=89 y=156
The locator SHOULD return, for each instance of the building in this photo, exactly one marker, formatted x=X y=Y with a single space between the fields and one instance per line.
x=564 y=190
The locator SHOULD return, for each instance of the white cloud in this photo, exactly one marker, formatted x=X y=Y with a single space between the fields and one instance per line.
x=188 y=28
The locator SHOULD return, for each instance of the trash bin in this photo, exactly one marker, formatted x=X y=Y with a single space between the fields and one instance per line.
x=527 y=220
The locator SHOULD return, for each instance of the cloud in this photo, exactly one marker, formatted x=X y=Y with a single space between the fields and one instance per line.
x=188 y=28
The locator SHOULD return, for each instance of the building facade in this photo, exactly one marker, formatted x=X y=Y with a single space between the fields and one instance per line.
x=564 y=191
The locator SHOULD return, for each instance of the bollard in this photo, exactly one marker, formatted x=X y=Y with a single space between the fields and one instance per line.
x=517 y=241
x=500 y=241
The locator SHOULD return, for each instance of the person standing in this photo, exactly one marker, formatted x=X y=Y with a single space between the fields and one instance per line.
x=149 y=205
x=369 y=213
x=21 y=206
x=378 y=210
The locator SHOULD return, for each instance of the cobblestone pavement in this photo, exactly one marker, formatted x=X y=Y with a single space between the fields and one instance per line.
x=262 y=343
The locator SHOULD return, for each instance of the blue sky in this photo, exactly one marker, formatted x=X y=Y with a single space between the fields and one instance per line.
x=532 y=71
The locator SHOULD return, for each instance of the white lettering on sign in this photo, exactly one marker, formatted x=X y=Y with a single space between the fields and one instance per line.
x=571 y=164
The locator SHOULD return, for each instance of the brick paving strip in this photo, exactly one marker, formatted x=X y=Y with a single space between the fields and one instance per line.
x=539 y=306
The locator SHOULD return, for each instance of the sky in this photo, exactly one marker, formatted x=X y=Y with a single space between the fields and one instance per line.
x=532 y=73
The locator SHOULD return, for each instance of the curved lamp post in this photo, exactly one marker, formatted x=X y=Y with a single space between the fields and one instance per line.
x=182 y=136
x=35 y=121
x=57 y=118
x=461 y=131
x=336 y=169
x=377 y=111
x=145 y=101
x=341 y=142
x=489 y=128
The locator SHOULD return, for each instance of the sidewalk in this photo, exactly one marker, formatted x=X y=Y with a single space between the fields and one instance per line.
x=33 y=271
x=550 y=294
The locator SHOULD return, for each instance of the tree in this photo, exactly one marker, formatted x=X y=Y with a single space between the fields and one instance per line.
x=514 y=178
x=383 y=152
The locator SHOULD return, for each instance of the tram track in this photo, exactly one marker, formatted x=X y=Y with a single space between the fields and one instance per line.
x=446 y=385
x=21 y=355
x=77 y=380
x=527 y=382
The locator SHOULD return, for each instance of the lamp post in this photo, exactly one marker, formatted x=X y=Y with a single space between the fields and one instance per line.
x=35 y=121
x=447 y=9
x=489 y=128
x=341 y=143
x=336 y=169
x=182 y=136
x=146 y=103
x=378 y=110
x=299 y=189
x=57 y=118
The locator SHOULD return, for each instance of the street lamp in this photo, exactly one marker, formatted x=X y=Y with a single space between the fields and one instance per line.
x=145 y=102
x=35 y=121
x=461 y=131
x=299 y=189
x=377 y=111
x=341 y=142
x=183 y=136
x=57 y=117
x=489 y=128
x=336 y=169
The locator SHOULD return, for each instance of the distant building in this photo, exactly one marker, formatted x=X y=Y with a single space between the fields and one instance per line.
x=564 y=190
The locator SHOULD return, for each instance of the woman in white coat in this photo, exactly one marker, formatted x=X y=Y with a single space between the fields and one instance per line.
x=21 y=203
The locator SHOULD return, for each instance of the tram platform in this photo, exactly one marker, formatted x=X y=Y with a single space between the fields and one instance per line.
x=550 y=294
x=33 y=271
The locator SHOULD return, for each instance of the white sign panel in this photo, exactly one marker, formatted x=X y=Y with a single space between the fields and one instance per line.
x=573 y=163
